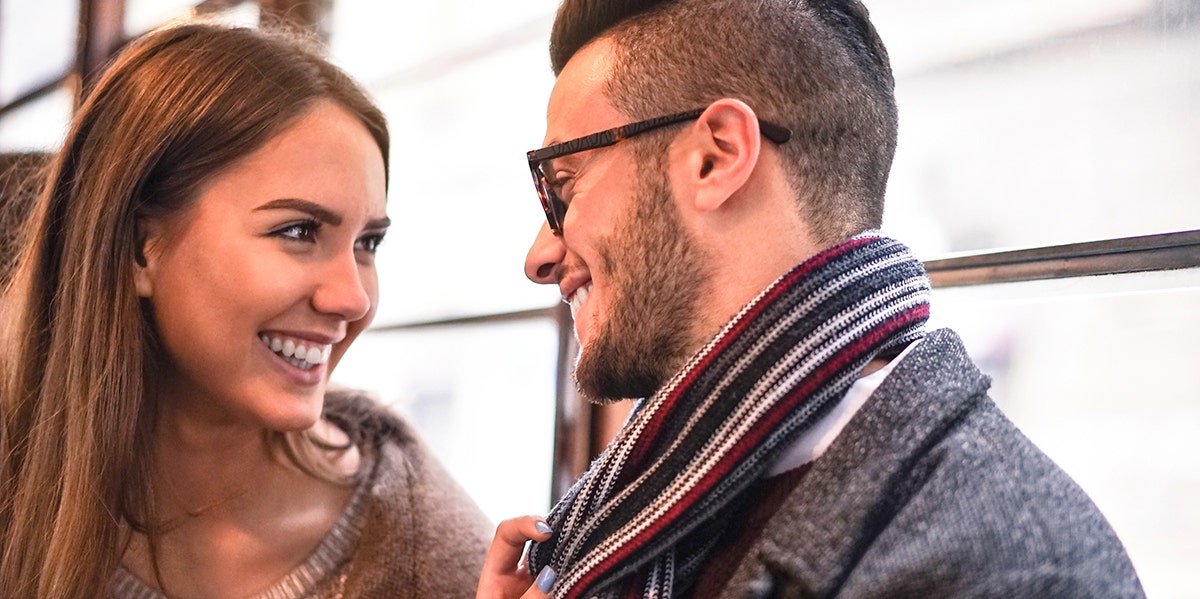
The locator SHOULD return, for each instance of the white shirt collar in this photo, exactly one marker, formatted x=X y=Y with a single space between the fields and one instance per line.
x=814 y=441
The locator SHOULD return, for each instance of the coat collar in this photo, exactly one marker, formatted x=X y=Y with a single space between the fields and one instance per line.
x=828 y=521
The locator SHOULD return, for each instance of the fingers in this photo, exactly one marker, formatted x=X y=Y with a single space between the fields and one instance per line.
x=523 y=528
x=541 y=586
x=509 y=543
x=505 y=575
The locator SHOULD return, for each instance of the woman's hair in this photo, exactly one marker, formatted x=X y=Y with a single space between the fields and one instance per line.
x=79 y=351
x=19 y=173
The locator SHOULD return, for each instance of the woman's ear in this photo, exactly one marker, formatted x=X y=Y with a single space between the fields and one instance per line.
x=726 y=154
x=149 y=233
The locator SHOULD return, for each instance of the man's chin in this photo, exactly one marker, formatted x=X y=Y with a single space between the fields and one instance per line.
x=604 y=377
x=590 y=385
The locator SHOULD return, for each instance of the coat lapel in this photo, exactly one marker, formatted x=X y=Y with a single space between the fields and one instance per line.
x=813 y=543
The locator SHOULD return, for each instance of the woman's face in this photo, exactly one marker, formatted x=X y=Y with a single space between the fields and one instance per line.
x=261 y=284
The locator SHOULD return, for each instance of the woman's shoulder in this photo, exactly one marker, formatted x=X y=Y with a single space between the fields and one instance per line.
x=401 y=462
x=365 y=419
x=417 y=514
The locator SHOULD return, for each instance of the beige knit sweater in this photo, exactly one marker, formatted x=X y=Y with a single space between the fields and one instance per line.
x=408 y=531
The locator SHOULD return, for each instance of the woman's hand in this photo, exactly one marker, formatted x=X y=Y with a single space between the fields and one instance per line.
x=505 y=575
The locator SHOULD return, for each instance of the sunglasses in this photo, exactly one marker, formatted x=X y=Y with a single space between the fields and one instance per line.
x=540 y=161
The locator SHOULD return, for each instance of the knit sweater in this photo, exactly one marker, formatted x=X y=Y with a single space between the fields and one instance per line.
x=408 y=531
x=930 y=491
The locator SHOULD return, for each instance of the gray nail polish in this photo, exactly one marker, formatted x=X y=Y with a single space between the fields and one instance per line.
x=545 y=579
x=542 y=527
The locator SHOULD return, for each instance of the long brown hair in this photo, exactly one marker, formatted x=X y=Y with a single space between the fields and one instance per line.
x=78 y=350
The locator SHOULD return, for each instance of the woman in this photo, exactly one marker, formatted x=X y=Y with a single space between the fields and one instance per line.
x=200 y=258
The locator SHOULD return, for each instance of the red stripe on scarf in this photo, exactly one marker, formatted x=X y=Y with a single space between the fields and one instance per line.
x=648 y=439
x=765 y=426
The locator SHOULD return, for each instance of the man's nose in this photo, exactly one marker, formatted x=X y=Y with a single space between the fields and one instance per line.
x=544 y=256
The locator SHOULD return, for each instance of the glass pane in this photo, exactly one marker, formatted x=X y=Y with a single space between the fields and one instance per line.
x=1031 y=123
x=144 y=15
x=462 y=203
x=483 y=396
x=426 y=37
x=37 y=44
x=246 y=14
x=1102 y=374
x=39 y=125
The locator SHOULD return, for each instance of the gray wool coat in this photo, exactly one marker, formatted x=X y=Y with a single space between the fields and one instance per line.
x=931 y=492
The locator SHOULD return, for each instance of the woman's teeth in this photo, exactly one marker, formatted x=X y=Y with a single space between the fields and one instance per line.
x=578 y=298
x=298 y=353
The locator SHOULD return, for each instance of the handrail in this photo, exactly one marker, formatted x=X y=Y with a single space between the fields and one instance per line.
x=1165 y=251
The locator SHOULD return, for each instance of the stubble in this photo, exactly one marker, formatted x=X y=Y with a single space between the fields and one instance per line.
x=658 y=277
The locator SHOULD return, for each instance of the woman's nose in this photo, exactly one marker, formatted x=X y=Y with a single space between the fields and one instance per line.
x=344 y=290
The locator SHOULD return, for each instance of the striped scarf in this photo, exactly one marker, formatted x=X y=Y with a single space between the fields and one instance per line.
x=644 y=517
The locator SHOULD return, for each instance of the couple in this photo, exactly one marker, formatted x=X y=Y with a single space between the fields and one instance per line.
x=203 y=254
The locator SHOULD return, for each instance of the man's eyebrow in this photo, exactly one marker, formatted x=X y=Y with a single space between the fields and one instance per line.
x=317 y=211
x=568 y=161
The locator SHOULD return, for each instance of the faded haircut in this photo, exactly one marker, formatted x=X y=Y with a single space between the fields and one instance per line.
x=817 y=67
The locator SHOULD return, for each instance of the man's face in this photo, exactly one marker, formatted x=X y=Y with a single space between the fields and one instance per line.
x=625 y=263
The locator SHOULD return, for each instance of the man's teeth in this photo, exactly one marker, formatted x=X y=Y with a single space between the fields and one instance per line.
x=298 y=353
x=579 y=297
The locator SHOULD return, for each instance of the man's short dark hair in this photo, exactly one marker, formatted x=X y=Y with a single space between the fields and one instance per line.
x=815 y=66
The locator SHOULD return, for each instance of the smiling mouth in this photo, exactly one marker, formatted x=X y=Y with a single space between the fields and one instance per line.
x=304 y=355
x=578 y=298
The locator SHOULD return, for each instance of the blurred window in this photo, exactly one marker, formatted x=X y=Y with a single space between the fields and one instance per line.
x=37 y=44
x=1100 y=372
x=482 y=395
x=144 y=15
x=1032 y=123
x=39 y=124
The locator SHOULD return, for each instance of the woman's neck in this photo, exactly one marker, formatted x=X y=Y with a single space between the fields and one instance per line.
x=232 y=512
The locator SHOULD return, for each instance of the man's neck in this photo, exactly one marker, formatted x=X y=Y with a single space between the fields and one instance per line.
x=873 y=366
x=745 y=262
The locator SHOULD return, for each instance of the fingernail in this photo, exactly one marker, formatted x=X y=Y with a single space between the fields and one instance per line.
x=543 y=528
x=545 y=579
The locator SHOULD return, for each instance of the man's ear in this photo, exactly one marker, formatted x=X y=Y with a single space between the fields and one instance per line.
x=149 y=234
x=726 y=153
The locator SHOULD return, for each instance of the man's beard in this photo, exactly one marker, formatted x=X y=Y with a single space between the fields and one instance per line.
x=658 y=276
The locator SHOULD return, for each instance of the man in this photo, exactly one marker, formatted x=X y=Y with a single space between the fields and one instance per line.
x=802 y=435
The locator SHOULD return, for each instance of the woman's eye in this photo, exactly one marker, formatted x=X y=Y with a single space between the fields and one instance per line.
x=369 y=243
x=302 y=231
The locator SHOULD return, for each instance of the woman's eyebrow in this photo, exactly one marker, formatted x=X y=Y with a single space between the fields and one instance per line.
x=317 y=211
